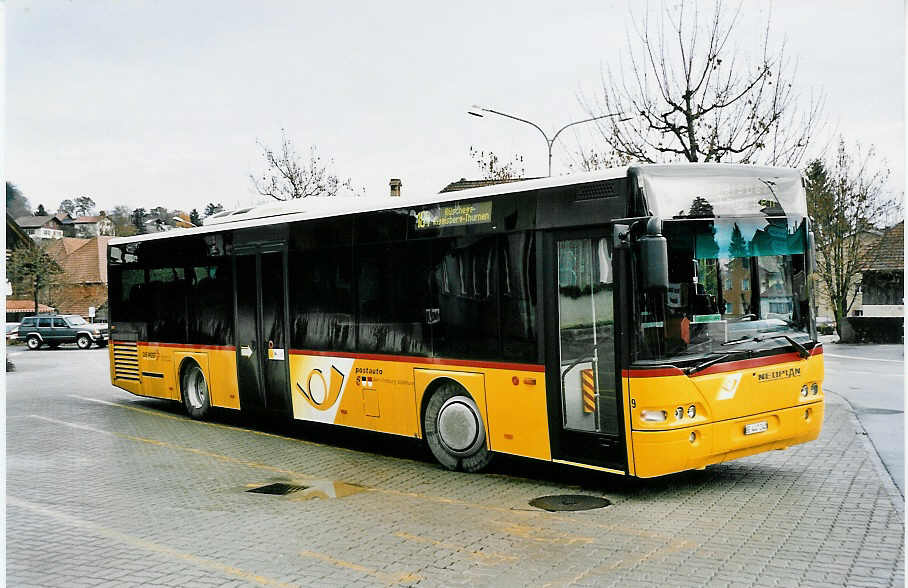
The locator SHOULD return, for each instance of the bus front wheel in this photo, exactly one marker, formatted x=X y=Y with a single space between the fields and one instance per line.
x=194 y=389
x=454 y=430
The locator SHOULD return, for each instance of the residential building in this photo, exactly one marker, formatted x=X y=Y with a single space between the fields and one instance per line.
x=15 y=236
x=92 y=226
x=41 y=227
x=883 y=278
x=83 y=284
x=879 y=289
x=17 y=309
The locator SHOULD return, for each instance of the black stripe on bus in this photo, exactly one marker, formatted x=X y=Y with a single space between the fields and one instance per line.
x=153 y=374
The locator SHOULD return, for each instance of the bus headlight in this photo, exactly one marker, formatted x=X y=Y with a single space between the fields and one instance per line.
x=691 y=411
x=814 y=388
x=679 y=413
x=804 y=391
x=653 y=416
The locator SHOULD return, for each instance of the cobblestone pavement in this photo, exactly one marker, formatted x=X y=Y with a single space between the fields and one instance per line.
x=107 y=489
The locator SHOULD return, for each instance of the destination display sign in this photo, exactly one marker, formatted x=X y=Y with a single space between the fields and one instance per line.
x=454 y=215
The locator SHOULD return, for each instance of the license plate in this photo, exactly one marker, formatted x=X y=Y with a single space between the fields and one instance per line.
x=756 y=427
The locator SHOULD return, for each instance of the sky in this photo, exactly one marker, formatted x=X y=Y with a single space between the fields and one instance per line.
x=162 y=103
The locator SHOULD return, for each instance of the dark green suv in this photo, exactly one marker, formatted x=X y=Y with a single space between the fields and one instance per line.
x=54 y=329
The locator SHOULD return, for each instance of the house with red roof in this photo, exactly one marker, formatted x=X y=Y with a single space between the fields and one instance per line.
x=83 y=284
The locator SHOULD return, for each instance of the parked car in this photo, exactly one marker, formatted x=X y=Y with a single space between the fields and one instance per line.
x=825 y=325
x=55 y=329
x=11 y=331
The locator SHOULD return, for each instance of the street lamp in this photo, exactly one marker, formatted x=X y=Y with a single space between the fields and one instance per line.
x=549 y=142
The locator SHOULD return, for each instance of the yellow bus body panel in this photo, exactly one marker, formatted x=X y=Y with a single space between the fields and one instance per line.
x=386 y=395
x=724 y=402
x=159 y=371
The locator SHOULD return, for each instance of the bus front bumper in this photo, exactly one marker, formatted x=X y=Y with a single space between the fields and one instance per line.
x=657 y=453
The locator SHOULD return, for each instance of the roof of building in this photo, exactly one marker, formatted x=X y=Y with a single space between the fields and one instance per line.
x=13 y=305
x=34 y=222
x=15 y=236
x=77 y=298
x=889 y=252
x=64 y=217
x=465 y=184
x=84 y=261
x=88 y=219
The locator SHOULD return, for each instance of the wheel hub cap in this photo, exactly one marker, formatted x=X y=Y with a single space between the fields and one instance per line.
x=458 y=425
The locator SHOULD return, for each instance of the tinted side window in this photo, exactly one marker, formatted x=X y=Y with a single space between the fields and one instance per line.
x=322 y=308
x=43 y=322
x=127 y=294
x=166 y=298
x=59 y=322
x=210 y=301
x=28 y=322
x=465 y=292
x=518 y=297
x=393 y=285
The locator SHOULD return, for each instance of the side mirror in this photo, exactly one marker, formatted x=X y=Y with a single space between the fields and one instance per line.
x=811 y=252
x=654 y=255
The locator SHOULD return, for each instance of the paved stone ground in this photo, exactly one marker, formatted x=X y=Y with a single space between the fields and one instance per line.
x=107 y=489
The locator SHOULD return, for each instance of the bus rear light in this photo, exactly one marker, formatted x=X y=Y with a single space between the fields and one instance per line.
x=691 y=411
x=653 y=416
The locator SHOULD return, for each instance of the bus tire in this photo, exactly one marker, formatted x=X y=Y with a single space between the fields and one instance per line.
x=454 y=431
x=194 y=390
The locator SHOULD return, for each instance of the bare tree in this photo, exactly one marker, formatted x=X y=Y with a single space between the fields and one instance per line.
x=688 y=95
x=846 y=201
x=494 y=169
x=287 y=177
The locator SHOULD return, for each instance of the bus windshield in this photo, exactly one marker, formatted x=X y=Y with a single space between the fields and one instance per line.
x=738 y=281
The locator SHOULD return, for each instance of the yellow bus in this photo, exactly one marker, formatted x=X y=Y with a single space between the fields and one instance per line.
x=640 y=321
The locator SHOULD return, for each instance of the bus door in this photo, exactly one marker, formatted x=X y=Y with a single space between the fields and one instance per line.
x=583 y=379
x=261 y=330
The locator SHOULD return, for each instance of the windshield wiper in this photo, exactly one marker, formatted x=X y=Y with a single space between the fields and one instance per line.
x=802 y=351
x=713 y=361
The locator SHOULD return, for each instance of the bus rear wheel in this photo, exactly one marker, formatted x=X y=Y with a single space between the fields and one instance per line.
x=194 y=390
x=454 y=430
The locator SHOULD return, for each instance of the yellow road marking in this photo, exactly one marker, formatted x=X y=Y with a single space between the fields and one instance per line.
x=387 y=491
x=483 y=555
x=532 y=533
x=674 y=547
x=218 y=456
x=174 y=417
x=384 y=577
x=145 y=544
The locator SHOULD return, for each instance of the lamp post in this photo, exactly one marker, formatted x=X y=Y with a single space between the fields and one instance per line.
x=549 y=142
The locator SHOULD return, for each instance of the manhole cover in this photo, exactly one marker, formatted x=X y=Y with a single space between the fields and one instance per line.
x=563 y=502
x=277 y=488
